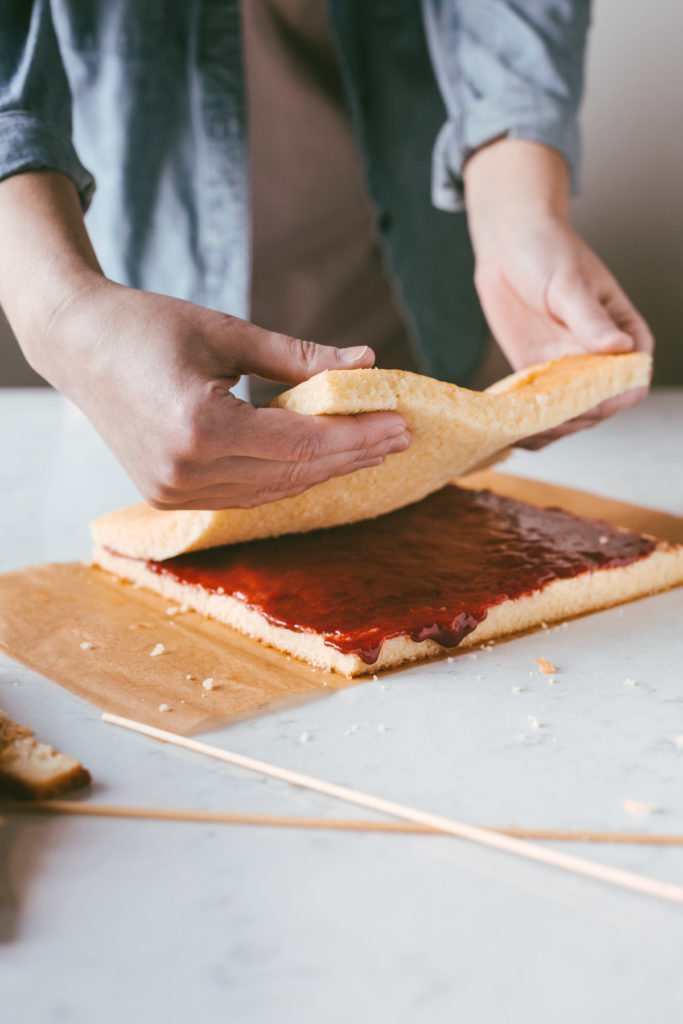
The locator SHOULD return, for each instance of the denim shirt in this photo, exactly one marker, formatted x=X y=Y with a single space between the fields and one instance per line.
x=146 y=97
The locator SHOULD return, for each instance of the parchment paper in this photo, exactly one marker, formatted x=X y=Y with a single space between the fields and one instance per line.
x=48 y=611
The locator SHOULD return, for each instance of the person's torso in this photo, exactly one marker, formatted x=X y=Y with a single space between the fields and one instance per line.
x=160 y=118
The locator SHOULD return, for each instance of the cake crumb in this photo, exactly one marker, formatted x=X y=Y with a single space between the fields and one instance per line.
x=551 y=680
x=478 y=678
x=382 y=727
x=533 y=722
x=304 y=737
x=546 y=666
x=164 y=707
x=450 y=660
x=207 y=683
x=544 y=625
x=516 y=689
x=172 y=610
x=86 y=646
x=188 y=676
x=375 y=679
x=640 y=808
x=630 y=682
x=678 y=740
x=156 y=651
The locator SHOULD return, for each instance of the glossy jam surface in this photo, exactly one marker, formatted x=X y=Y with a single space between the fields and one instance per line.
x=428 y=571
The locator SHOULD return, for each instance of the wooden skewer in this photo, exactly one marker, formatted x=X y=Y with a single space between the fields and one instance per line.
x=486 y=837
x=335 y=824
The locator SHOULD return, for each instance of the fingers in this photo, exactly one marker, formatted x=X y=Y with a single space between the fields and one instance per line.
x=277 y=357
x=241 y=456
x=266 y=474
x=238 y=482
x=598 y=314
x=290 y=437
x=589 y=322
x=629 y=320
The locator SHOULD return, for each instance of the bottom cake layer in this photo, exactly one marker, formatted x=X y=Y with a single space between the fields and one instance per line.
x=478 y=567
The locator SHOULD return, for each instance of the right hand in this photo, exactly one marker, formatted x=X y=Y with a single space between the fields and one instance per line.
x=153 y=374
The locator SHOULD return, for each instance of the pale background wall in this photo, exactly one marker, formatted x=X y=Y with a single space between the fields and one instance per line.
x=631 y=207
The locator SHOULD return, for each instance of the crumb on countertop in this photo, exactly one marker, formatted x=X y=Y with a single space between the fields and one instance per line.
x=304 y=737
x=533 y=722
x=546 y=666
x=640 y=808
x=208 y=683
x=630 y=682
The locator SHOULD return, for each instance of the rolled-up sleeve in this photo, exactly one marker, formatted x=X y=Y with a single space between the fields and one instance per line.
x=505 y=68
x=35 y=99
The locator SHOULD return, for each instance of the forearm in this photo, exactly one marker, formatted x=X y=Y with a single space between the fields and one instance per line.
x=513 y=180
x=46 y=259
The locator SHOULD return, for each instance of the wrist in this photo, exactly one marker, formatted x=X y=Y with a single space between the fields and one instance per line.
x=46 y=259
x=512 y=184
x=47 y=330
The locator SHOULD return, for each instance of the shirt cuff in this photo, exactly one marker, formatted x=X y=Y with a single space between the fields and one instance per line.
x=28 y=144
x=551 y=124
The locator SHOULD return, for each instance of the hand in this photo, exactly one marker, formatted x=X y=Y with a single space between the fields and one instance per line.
x=544 y=292
x=153 y=374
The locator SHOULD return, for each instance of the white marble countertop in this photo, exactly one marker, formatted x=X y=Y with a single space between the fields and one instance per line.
x=103 y=920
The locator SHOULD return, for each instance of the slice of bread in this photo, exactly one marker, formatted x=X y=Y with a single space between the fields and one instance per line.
x=32 y=770
x=453 y=430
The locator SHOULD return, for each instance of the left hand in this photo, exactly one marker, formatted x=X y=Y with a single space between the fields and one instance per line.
x=544 y=292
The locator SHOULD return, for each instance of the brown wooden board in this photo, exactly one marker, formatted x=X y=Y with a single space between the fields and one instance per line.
x=48 y=611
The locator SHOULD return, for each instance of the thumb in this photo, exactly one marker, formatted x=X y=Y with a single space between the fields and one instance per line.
x=278 y=357
x=589 y=323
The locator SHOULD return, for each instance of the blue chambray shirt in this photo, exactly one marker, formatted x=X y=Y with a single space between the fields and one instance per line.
x=148 y=95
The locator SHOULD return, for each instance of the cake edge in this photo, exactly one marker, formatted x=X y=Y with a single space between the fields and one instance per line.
x=560 y=599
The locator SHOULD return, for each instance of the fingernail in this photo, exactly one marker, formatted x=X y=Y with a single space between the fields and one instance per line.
x=366 y=463
x=398 y=430
x=399 y=444
x=616 y=341
x=352 y=355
